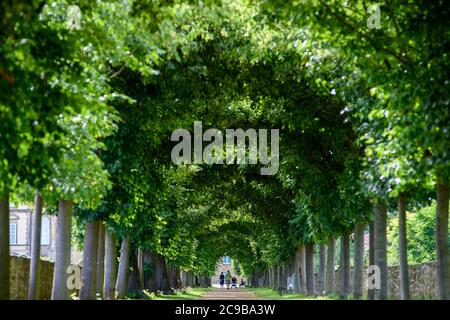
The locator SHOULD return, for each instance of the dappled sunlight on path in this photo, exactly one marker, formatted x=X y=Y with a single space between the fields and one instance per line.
x=232 y=294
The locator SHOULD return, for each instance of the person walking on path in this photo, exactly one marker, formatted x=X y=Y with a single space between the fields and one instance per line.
x=228 y=279
x=222 y=280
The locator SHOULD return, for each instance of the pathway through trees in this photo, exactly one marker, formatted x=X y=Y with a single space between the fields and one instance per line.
x=224 y=294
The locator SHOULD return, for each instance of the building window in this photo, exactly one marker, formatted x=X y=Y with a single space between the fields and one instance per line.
x=13 y=233
x=226 y=260
x=45 y=232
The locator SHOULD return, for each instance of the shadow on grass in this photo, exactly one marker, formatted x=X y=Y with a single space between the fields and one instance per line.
x=189 y=294
x=265 y=293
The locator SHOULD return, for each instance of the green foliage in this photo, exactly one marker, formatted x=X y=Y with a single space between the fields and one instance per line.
x=420 y=235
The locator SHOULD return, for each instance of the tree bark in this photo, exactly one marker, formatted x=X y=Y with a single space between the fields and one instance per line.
x=178 y=283
x=35 y=247
x=329 y=287
x=442 y=251
x=295 y=273
x=402 y=250
x=302 y=268
x=271 y=277
x=149 y=279
x=322 y=267
x=381 y=250
x=134 y=281
x=141 y=266
x=89 y=271
x=110 y=266
x=278 y=277
x=191 y=279
x=162 y=279
x=63 y=246
x=100 y=259
x=309 y=266
x=358 y=274
x=122 y=276
x=371 y=292
x=344 y=265
x=4 y=247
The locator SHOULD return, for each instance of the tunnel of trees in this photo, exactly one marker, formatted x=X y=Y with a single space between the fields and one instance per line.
x=87 y=112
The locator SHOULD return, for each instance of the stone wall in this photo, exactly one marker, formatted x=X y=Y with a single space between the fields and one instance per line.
x=19 y=274
x=421 y=277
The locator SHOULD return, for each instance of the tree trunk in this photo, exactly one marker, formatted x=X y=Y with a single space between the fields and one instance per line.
x=110 y=266
x=149 y=278
x=4 y=247
x=371 y=292
x=322 y=267
x=358 y=274
x=63 y=247
x=329 y=287
x=171 y=274
x=122 y=276
x=141 y=266
x=442 y=251
x=178 y=284
x=191 y=279
x=278 y=277
x=162 y=279
x=295 y=273
x=309 y=268
x=270 y=277
x=381 y=249
x=89 y=271
x=35 y=247
x=100 y=259
x=402 y=250
x=274 y=277
x=302 y=268
x=344 y=265
x=134 y=281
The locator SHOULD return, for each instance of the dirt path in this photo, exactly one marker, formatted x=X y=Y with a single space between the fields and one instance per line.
x=232 y=294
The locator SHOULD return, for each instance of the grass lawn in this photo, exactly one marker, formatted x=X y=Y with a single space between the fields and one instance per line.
x=270 y=294
x=188 y=294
